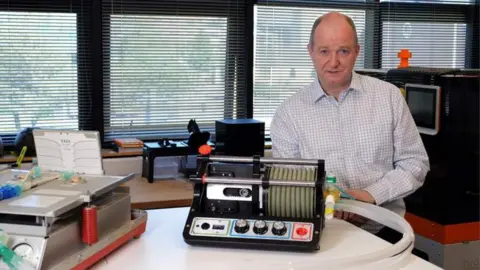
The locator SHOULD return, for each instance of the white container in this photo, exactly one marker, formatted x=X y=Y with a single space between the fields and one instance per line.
x=167 y=167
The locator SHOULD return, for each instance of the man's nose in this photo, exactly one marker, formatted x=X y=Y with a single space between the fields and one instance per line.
x=334 y=59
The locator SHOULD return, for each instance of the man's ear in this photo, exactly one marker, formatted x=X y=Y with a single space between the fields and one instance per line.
x=357 y=49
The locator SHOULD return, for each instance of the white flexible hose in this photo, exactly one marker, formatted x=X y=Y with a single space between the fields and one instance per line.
x=395 y=256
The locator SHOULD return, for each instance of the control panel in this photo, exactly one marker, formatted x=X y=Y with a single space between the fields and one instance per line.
x=257 y=229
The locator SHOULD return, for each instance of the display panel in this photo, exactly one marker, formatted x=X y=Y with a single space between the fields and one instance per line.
x=424 y=104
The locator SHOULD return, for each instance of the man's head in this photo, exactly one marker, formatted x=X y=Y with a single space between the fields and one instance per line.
x=334 y=48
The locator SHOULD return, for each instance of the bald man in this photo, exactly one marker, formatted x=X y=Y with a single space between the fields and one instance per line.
x=361 y=126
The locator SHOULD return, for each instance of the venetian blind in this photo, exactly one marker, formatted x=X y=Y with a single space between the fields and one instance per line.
x=44 y=65
x=166 y=62
x=435 y=32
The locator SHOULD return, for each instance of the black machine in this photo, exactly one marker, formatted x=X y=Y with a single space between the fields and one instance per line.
x=445 y=106
x=255 y=202
x=375 y=73
x=240 y=137
x=445 y=212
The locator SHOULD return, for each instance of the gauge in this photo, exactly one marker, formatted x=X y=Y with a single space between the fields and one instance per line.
x=25 y=251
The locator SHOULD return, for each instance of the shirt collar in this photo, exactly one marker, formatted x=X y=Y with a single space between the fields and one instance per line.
x=317 y=93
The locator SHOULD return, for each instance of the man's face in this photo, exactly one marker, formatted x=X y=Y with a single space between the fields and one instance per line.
x=334 y=53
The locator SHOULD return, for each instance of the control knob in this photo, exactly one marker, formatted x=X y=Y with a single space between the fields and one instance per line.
x=241 y=226
x=260 y=227
x=279 y=228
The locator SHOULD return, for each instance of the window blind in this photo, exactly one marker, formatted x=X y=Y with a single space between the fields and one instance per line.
x=43 y=67
x=282 y=65
x=166 y=62
x=455 y=2
x=435 y=33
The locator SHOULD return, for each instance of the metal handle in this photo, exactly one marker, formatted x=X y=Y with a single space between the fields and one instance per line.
x=284 y=161
x=249 y=181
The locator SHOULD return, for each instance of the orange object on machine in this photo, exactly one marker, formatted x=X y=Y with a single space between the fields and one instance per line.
x=89 y=225
x=404 y=55
x=205 y=149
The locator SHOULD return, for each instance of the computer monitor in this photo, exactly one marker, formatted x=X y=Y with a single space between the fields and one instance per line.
x=424 y=103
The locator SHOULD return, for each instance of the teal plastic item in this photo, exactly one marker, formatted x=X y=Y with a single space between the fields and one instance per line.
x=344 y=194
x=67 y=175
x=36 y=172
x=10 y=258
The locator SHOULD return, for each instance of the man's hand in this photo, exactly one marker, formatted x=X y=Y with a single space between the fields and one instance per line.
x=361 y=195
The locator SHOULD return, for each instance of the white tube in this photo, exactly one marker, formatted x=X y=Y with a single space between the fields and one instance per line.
x=392 y=257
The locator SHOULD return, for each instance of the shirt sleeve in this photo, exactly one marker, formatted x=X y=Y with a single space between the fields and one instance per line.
x=410 y=160
x=285 y=142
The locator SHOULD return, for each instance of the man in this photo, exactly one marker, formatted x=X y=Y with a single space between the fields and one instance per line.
x=359 y=125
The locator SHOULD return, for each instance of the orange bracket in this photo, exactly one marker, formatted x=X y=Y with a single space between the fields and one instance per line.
x=404 y=55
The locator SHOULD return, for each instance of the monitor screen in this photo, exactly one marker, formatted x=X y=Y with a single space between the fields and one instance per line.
x=424 y=104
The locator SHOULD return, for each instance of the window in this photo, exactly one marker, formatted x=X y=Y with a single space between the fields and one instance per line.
x=165 y=65
x=435 y=33
x=166 y=70
x=38 y=71
x=282 y=65
x=431 y=44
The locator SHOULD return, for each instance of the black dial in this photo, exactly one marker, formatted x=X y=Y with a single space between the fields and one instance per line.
x=279 y=228
x=241 y=226
x=260 y=227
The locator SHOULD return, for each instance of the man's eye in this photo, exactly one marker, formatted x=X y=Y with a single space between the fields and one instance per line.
x=344 y=52
x=324 y=52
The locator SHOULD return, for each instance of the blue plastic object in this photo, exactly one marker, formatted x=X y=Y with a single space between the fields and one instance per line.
x=10 y=191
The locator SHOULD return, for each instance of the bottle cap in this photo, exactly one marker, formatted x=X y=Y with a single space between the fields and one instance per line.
x=331 y=178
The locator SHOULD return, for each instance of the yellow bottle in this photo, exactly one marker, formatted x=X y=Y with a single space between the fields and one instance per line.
x=330 y=188
x=329 y=206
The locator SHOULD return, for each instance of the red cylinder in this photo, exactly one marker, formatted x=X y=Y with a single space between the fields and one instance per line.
x=89 y=225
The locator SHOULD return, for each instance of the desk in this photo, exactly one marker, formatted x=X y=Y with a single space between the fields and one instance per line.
x=162 y=247
x=160 y=194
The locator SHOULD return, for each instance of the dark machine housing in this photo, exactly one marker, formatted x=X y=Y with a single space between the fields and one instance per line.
x=231 y=205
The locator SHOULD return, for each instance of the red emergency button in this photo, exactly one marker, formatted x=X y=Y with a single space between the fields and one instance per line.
x=302 y=231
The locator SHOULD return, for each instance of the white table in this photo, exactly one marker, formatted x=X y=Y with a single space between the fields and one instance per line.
x=162 y=247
